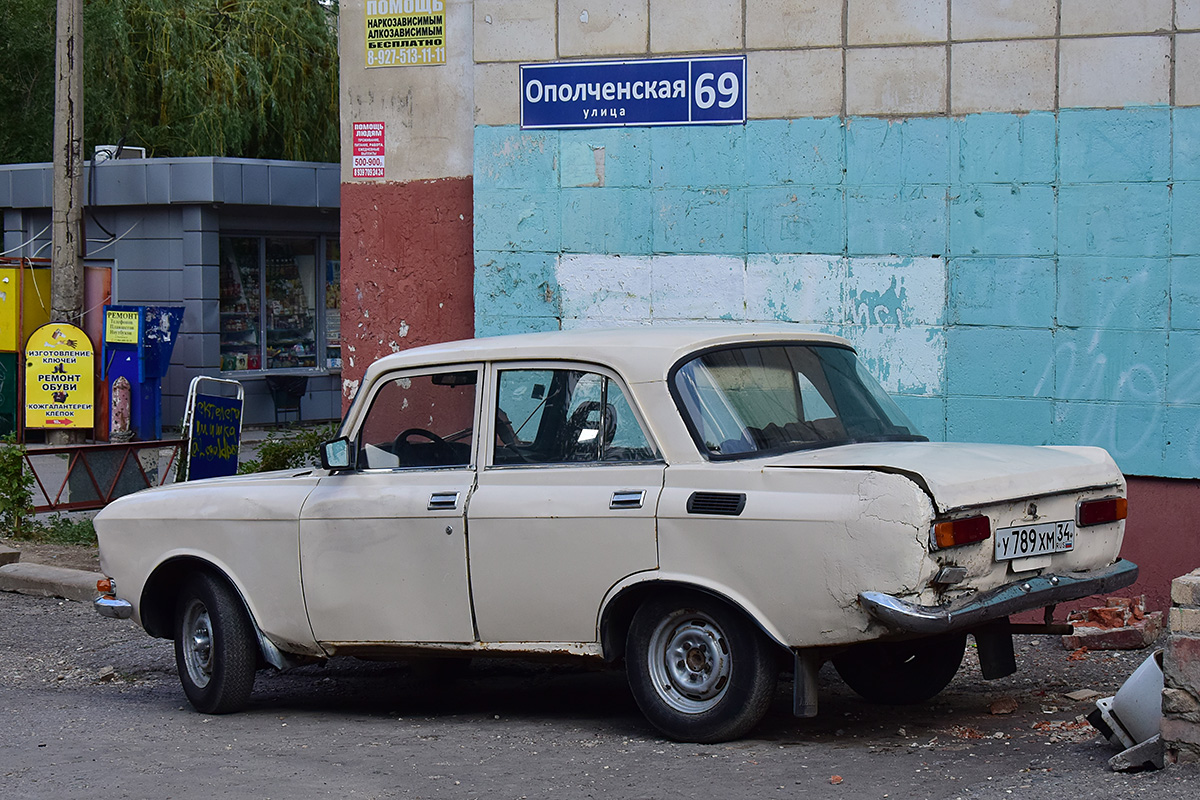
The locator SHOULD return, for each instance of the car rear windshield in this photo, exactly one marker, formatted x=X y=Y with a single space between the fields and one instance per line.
x=754 y=400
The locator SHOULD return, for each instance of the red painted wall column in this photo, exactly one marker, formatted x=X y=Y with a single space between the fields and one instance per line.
x=408 y=269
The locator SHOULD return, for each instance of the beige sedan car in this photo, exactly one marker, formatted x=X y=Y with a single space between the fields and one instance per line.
x=708 y=505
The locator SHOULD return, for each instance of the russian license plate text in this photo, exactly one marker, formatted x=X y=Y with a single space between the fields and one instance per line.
x=1035 y=540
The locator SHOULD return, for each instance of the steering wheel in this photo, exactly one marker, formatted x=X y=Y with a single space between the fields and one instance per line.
x=402 y=443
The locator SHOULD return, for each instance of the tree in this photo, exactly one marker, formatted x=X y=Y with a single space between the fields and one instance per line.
x=26 y=80
x=251 y=78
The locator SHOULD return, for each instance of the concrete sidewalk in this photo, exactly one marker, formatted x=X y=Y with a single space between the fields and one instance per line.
x=45 y=580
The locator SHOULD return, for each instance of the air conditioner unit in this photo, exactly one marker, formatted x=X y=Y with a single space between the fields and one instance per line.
x=105 y=152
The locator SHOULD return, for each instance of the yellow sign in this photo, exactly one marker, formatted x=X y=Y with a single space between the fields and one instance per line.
x=59 y=378
x=121 y=327
x=405 y=33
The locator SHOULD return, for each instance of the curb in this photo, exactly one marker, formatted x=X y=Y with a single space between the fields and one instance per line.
x=48 y=581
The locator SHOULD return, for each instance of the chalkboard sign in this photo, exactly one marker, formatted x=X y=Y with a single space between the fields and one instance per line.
x=215 y=435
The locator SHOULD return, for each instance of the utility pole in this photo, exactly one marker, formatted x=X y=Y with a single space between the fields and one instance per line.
x=66 y=259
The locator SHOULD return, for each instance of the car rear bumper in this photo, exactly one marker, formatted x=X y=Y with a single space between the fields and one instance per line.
x=902 y=616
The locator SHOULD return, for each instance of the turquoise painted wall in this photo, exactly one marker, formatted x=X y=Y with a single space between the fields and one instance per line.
x=1029 y=278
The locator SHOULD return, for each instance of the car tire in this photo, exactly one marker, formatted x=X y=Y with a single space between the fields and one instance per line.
x=902 y=673
x=699 y=670
x=215 y=648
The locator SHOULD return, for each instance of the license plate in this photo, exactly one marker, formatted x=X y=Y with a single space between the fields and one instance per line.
x=1035 y=540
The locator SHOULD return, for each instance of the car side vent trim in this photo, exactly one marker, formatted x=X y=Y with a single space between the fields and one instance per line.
x=721 y=503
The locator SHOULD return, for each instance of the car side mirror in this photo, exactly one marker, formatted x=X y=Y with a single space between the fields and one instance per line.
x=336 y=454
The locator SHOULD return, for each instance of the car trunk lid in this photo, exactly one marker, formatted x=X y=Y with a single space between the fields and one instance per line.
x=964 y=475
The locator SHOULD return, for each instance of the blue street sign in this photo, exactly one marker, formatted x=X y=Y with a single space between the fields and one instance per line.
x=604 y=94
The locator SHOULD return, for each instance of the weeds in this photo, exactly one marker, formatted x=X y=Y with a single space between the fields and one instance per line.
x=60 y=529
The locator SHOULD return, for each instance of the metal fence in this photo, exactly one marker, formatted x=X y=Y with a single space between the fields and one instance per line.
x=86 y=477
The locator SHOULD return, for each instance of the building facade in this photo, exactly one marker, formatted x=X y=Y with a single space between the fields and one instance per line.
x=249 y=248
x=995 y=201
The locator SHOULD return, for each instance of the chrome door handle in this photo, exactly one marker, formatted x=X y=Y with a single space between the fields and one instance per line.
x=628 y=498
x=443 y=501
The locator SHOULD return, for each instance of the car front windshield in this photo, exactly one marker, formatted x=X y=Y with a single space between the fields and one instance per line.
x=752 y=400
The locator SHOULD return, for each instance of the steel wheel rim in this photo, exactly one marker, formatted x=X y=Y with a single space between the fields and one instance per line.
x=689 y=662
x=197 y=643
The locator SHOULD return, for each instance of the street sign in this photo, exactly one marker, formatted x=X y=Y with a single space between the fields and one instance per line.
x=664 y=91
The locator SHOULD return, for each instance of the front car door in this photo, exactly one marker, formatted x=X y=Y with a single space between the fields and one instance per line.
x=566 y=505
x=383 y=546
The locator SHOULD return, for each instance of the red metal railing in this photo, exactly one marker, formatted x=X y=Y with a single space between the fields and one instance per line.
x=90 y=476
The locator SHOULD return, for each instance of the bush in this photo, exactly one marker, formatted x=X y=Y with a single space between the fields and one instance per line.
x=286 y=450
x=16 y=490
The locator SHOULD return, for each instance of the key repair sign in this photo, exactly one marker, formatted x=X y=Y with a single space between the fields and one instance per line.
x=59 y=367
x=661 y=91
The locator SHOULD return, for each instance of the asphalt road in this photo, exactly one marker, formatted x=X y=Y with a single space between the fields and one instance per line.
x=91 y=708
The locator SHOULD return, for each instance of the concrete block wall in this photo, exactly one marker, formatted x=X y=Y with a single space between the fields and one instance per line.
x=1181 y=672
x=993 y=201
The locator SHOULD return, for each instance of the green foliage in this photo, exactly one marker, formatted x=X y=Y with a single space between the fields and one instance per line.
x=62 y=529
x=286 y=450
x=26 y=80
x=244 y=78
x=16 y=489
x=16 y=504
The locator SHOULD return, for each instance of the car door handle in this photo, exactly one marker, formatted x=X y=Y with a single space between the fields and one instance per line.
x=628 y=498
x=443 y=501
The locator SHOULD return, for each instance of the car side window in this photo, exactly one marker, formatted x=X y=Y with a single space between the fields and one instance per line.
x=558 y=416
x=420 y=421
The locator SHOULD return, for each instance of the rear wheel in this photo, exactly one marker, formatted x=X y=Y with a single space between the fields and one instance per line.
x=902 y=673
x=700 y=671
x=215 y=650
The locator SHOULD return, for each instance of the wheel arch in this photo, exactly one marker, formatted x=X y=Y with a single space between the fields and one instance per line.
x=625 y=599
x=160 y=597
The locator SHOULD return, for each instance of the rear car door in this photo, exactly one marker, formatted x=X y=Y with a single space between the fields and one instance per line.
x=566 y=505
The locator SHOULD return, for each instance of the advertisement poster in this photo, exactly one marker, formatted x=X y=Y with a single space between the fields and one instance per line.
x=368 y=150
x=59 y=384
x=121 y=327
x=406 y=33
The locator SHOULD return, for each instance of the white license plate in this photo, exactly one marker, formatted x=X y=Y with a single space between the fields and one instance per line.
x=1035 y=540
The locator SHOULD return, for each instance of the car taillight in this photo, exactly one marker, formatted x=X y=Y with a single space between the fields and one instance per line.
x=953 y=532
x=1098 y=512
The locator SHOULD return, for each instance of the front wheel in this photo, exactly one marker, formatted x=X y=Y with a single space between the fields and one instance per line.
x=902 y=673
x=699 y=671
x=215 y=651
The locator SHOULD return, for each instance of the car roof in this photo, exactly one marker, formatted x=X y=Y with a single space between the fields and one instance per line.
x=640 y=354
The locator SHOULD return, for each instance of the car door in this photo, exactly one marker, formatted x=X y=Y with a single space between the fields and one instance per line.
x=383 y=545
x=566 y=505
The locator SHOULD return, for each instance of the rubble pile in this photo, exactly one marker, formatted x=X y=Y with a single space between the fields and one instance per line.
x=1181 y=672
x=1121 y=624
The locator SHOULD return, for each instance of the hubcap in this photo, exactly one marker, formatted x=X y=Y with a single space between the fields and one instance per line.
x=197 y=643
x=689 y=662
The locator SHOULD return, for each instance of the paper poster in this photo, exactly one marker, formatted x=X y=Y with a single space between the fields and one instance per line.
x=406 y=33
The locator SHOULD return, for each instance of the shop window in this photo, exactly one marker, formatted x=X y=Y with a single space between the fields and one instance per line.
x=280 y=303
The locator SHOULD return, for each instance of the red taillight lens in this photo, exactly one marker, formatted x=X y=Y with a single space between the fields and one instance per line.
x=961 y=531
x=1098 y=512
